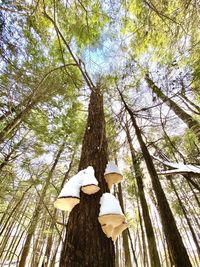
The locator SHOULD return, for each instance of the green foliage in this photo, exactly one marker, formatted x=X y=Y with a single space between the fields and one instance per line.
x=190 y=146
x=130 y=184
x=41 y=43
x=161 y=29
x=170 y=146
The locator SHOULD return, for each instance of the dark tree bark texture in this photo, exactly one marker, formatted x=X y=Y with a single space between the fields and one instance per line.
x=85 y=243
x=152 y=248
x=177 y=249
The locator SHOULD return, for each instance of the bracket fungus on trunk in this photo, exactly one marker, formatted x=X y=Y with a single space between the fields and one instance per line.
x=89 y=181
x=118 y=230
x=70 y=194
x=111 y=217
x=112 y=174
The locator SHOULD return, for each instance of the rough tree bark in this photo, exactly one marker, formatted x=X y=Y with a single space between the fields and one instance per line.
x=192 y=230
x=152 y=248
x=124 y=233
x=177 y=249
x=85 y=243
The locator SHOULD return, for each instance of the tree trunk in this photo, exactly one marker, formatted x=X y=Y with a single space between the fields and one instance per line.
x=124 y=233
x=185 y=117
x=16 y=122
x=117 y=263
x=85 y=243
x=145 y=260
x=191 y=103
x=48 y=249
x=177 y=248
x=12 y=212
x=36 y=213
x=12 y=226
x=132 y=248
x=195 y=239
x=55 y=252
x=153 y=252
x=12 y=151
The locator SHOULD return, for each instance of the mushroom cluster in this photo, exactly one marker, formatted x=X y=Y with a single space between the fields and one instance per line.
x=111 y=218
x=69 y=196
x=112 y=174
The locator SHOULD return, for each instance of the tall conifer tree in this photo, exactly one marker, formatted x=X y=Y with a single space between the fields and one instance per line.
x=85 y=243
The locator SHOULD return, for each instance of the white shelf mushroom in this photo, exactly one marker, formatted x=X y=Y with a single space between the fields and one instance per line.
x=118 y=230
x=107 y=229
x=70 y=194
x=89 y=181
x=110 y=215
x=112 y=174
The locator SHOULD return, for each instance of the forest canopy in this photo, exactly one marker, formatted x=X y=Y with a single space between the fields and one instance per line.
x=84 y=83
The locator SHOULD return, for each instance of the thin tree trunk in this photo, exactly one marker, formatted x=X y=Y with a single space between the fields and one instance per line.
x=36 y=213
x=11 y=225
x=185 y=117
x=173 y=237
x=125 y=233
x=15 y=123
x=194 y=194
x=52 y=262
x=186 y=217
x=190 y=244
x=117 y=263
x=49 y=241
x=50 y=237
x=190 y=206
x=85 y=243
x=6 y=246
x=14 y=254
x=191 y=103
x=132 y=248
x=13 y=210
x=144 y=247
x=153 y=252
x=38 y=243
x=160 y=234
x=8 y=156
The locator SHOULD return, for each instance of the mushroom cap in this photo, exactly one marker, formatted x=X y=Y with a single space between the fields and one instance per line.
x=89 y=181
x=109 y=205
x=113 y=178
x=118 y=230
x=111 y=219
x=88 y=176
x=71 y=188
x=111 y=167
x=66 y=203
x=107 y=229
x=90 y=189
